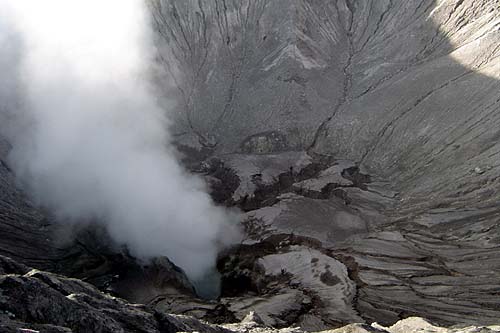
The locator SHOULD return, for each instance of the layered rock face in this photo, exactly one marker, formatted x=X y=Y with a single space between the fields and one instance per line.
x=359 y=138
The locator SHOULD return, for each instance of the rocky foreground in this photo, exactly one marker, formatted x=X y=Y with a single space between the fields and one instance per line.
x=37 y=301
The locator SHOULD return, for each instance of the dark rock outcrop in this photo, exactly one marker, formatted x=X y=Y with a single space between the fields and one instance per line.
x=52 y=303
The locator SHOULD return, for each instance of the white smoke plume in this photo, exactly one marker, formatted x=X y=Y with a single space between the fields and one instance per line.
x=89 y=140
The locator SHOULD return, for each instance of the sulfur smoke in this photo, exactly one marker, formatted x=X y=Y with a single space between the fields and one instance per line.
x=89 y=139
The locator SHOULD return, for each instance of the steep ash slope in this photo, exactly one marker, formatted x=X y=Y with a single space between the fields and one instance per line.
x=409 y=91
x=330 y=75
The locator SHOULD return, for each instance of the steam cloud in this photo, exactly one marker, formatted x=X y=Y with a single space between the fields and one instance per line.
x=89 y=140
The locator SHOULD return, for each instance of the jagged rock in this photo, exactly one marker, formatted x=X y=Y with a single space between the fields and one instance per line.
x=413 y=325
x=37 y=299
x=253 y=319
x=12 y=326
x=357 y=328
x=170 y=323
x=416 y=324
